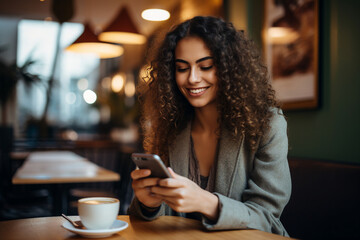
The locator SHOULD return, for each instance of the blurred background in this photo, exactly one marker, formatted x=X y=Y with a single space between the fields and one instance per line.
x=75 y=84
x=69 y=69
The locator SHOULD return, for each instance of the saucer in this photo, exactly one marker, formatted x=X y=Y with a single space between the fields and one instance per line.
x=117 y=226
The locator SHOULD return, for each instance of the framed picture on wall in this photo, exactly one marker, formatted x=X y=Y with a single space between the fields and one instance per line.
x=290 y=38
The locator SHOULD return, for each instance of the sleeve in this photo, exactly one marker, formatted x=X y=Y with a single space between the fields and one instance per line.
x=139 y=210
x=268 y=187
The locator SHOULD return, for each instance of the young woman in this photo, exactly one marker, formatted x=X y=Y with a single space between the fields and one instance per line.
x=210 y=112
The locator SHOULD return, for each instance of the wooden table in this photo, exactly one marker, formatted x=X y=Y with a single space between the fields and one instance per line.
x=165 y=228
x=49 y=167
x=59 y=168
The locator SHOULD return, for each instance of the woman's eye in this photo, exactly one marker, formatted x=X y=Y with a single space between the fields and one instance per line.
x=206 y=68
x=181 y=69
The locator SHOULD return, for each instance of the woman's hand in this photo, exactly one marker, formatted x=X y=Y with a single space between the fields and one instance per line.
x=142 y=186
x=183 y=195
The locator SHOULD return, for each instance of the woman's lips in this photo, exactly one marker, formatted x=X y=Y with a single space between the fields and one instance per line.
x=197 y=91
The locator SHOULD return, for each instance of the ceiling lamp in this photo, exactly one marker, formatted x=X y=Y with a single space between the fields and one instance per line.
x=155 y=14
x=122 y=30
x=88 y=42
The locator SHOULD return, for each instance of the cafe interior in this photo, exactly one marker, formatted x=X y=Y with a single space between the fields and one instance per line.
x=69 y=113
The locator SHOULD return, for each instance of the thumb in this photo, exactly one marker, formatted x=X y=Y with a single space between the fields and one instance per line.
x=173 y=174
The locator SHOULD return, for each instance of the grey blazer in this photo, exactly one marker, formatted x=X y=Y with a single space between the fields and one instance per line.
x=253 y=188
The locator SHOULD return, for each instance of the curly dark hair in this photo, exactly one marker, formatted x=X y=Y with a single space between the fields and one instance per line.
x=244 y=99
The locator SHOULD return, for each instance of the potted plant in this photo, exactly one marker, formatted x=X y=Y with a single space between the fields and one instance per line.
x=9 y=77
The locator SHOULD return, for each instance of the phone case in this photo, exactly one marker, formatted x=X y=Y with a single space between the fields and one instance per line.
x=152 y=162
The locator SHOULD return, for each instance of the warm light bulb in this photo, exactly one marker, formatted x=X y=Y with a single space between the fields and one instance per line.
x=117 y=83
x=130 y=89
x=155 y=14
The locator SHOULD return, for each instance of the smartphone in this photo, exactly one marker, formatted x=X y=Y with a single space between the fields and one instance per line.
x=152 y=162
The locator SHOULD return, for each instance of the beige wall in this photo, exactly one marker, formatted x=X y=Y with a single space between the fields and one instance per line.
x=237 y=13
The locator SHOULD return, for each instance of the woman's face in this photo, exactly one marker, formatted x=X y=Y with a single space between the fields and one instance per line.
x=195 y=72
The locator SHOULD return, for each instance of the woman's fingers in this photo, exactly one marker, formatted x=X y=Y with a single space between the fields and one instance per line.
x=145 y=183
x=170 y=183
x=147 y=198
x=142 y=184
x=140 y=173
x=140 y=179
x=175 y=182
x=164 y=191
x=173 y=201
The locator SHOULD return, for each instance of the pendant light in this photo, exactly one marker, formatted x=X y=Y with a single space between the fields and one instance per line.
x=122 y=30
x=88 y=42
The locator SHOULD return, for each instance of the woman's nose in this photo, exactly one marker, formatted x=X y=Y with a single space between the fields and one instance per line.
x=194 y=76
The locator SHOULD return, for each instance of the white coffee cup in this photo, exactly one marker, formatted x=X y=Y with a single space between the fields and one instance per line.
x=98 y=212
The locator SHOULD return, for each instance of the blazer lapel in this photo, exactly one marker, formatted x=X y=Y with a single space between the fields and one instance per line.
x=228 y=157
x=179 y=152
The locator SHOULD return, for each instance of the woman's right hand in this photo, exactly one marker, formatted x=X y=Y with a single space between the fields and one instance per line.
x=142 y=187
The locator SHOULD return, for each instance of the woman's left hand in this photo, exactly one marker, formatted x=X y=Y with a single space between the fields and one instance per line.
x=183 y=195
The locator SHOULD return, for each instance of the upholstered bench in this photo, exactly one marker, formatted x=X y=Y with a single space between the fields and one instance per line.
x=325 y=200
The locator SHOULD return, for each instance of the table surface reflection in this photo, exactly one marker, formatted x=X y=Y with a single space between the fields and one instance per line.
x=49 y=167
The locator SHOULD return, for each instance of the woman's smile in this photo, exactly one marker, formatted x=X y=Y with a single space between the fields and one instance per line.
x=196 y=92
